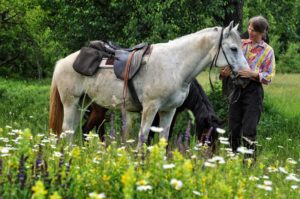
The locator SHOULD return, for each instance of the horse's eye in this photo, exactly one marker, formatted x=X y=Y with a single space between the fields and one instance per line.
x=233 y=49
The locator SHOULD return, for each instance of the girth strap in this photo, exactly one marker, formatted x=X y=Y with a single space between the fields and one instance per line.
x=128 y=83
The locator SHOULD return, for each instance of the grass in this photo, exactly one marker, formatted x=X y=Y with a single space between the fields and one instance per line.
x=285 y=94
x=54 y=170
x=24 y=103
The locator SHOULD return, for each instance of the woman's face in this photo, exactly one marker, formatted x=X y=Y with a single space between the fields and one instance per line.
x=253 y=35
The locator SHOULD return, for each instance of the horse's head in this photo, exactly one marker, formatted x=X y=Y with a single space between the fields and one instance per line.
x=230 y=49
x=209 y=134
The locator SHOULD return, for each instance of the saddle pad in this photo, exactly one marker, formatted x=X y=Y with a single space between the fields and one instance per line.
x=106 y=63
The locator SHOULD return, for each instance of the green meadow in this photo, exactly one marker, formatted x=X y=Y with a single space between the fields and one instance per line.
x=34 y=164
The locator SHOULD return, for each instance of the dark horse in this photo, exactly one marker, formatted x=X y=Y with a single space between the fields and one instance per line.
x=197 y=101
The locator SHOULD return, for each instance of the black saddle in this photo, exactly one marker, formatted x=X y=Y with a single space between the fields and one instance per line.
x=126 y=61
x=89 y=58
x=111 y=47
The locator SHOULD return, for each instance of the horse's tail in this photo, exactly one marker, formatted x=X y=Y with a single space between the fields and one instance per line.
x=56 y=113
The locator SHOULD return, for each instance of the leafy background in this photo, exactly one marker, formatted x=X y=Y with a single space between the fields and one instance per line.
x=36 y=33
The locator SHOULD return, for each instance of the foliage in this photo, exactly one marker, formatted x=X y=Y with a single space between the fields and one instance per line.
x=34 y=34
x=218 y=100
x=289 y=62
x=27 y=44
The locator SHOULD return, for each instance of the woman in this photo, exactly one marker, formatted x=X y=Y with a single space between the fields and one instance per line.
x=244 y=113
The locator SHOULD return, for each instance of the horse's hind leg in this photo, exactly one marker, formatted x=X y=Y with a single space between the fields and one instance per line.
x=71 y=118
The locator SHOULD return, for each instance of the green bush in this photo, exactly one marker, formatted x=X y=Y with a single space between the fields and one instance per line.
x=289 y=62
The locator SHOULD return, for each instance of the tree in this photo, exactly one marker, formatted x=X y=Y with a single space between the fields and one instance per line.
x=26 y=44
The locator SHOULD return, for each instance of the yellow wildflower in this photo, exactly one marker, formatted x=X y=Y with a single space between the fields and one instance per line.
x=27 y=134
x=39 y=190
x=105 y=178
x=241 y=189
x=128 y=179
x=261 y=166
x=142 y=182
x=75 y=153
x=187 y=165
x=163 y=142
x=55 y=195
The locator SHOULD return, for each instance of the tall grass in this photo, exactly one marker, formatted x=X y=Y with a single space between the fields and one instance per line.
x=33 y=164
x=24 y=103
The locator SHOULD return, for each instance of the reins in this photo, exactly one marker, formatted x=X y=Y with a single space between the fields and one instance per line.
x=214 y=61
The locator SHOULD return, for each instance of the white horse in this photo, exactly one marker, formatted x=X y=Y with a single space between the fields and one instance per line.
x=161 y=84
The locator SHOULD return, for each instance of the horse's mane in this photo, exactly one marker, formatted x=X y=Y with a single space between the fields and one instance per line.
x=192 y=35
x=234 y=34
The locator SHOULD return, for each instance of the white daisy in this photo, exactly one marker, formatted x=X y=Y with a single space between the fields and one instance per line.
x=283 y=170
x=95 y=195
x=292 y=177
x=168 y=166
x=177 y=184
x=244 y=150
x=294 y=187
x=265 y=187
x=130 y=141
x=156 y=129
x=220 y=131
x=253 y=178
x=144 y=187
x=291 y=161
x=208 y=164
x=197 y=193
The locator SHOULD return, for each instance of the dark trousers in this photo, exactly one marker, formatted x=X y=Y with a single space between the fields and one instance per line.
x=244 y=115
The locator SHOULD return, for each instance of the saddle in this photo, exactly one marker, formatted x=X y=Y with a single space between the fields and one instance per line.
x=89 y=59
x=126 y=62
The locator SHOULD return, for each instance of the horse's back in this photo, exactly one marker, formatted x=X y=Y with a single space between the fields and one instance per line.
x=66 y=64
x=68 y=81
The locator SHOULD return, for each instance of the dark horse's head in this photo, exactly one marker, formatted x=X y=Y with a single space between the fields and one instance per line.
x=206 y=119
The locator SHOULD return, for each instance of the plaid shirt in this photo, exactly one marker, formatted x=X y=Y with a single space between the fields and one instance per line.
x=260 y=58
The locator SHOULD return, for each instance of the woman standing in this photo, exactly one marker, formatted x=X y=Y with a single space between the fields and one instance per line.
x=245 y=112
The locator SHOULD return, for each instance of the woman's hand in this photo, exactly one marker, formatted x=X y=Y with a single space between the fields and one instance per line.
x=225 y=72
x=247 y=73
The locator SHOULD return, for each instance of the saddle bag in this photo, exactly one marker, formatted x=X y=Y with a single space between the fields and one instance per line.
x=88 y=60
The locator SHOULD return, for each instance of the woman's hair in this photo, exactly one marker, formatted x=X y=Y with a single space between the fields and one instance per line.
x=259 y=24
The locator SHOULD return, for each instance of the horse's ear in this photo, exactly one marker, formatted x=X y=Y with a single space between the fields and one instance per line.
x=236 y=27
x=228 y=28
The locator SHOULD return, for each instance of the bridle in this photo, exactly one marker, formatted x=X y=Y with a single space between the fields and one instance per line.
x=214 y=61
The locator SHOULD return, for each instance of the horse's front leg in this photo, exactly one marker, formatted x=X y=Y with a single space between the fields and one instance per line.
x=165 y=121
x=148 y=114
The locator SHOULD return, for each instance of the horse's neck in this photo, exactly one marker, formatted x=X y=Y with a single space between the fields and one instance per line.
x=194 y=52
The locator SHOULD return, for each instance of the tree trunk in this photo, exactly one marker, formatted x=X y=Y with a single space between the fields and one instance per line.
x=234 y=11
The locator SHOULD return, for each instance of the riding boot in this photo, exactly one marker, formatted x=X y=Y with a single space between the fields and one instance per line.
x=235 y=143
